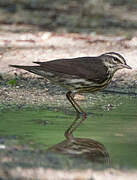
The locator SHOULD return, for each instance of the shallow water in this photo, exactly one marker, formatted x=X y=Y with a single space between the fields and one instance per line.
x=114 y=127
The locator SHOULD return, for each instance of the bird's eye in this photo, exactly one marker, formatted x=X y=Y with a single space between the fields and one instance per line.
x=115 y=59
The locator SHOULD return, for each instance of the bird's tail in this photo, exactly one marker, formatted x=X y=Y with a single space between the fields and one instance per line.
x=32 y=69
x=17 y=66
x=27 y=68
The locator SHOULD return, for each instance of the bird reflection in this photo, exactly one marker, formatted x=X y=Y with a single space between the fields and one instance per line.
x=85 y=148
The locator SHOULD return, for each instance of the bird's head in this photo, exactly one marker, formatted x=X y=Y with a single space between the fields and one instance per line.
x=115 y=61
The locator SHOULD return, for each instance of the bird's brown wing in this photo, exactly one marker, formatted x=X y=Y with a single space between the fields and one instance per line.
x=90 y=68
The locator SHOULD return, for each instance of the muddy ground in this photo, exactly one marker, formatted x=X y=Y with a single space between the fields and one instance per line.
x=24 y=48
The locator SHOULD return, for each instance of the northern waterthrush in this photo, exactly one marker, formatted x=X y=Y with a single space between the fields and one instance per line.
x=79 y=75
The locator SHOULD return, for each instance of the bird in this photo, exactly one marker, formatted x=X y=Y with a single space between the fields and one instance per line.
x=79 y=75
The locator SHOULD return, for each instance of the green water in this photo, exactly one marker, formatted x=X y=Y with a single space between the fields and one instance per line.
x=116 y=128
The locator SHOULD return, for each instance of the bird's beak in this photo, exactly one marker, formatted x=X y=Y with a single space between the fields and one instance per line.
x=126 y=66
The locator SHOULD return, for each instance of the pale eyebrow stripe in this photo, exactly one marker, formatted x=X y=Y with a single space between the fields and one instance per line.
x=120 y=58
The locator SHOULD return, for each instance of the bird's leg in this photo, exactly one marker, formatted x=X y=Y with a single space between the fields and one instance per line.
x=76 y=123
x=68 y=133
x=77 y=106
x=71 y=100
x=70 y=97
